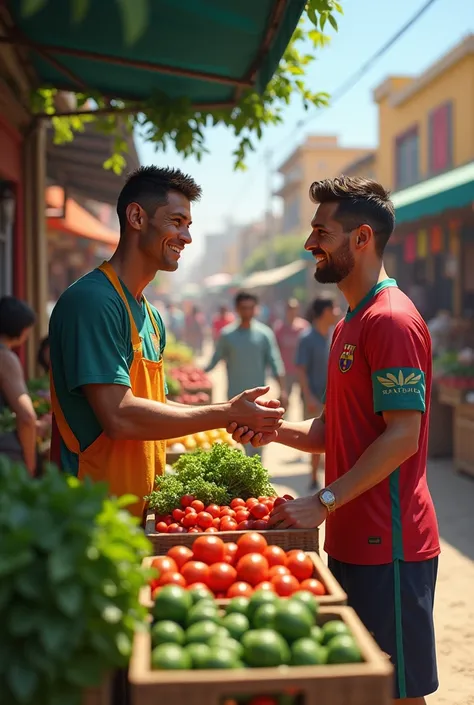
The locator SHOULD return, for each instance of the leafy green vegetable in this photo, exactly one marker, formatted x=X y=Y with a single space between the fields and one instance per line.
x=70 y=576
x=217 y=476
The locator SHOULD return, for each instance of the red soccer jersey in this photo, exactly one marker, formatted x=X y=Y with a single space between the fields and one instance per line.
x=380 y=361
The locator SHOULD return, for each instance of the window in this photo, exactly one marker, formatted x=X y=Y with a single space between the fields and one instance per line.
x=407 y=158
x=440 y=136
x=291 y=214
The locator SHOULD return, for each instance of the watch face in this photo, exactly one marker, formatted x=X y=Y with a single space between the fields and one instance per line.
x=327 y=497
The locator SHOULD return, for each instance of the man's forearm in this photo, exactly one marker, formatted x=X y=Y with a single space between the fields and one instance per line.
x=380 y=459
x=141 y=420
x=307 y=436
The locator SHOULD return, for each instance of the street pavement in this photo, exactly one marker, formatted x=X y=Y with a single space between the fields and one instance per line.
x=453 y=495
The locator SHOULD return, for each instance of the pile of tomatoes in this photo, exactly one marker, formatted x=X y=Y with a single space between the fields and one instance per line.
x=194 y=518
x=236 y=569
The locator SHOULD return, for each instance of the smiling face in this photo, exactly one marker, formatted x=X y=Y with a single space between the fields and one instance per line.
x=331 y=247
x=164 y=235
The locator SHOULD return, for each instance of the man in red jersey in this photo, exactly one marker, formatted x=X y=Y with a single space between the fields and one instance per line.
x=381 y=529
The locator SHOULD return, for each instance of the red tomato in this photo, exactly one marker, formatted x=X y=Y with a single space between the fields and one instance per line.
x=227 y=512
x=177 y=529
x=178 y=514
x=288 y=497
x=266 y=585
x=279 y=500
x=251 y=543
x=230 y=552
x=201 y=586
x=197 y=505
x=228 y=524
x=241 y=515
x=180 y=555
x=221 y=577
x=252 y=568
x=250 y=502
x=314 y=586
x=195 y=572
x=186 y=500
x=237 y=502
x=260 y=525
x=275 y=555
x=154 y=584
x=269 y=504
x=278 y=570
x=161 y=527
x=168 y=519
x=245 y=525
x=209 y=549
x=164 y=564
x=300 y=565
x=216 y=523
x=262 y=499
x=204 y=520
x=172 y=579
x=189 y=510
x=194 y=530
x=285 y=585
x=211 y=530
x=189 y=519
x=213 y=510
x=258 y=510
x=240 y=589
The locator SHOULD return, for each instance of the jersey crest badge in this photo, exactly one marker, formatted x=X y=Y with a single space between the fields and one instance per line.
x=347 y=357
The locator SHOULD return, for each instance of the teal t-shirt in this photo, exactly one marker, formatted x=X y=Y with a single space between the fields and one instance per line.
x=91 y=343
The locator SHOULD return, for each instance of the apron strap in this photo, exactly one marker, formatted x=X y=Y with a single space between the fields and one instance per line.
x=107 y=269
x=153 y=321
x=64 y=429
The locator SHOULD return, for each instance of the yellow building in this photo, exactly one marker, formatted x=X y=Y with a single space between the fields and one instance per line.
x=426 y=157
x=319 y=157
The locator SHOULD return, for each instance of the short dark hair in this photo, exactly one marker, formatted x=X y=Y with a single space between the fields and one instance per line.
x=15 y=317
x=245 y=296
x=149 y=186
x=359 y=201
x=319 y=306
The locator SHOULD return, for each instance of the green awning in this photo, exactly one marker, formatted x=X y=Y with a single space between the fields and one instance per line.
x=207 y=51
x=454 y=189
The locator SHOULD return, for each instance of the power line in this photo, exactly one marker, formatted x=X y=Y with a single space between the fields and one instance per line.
x=348 y=84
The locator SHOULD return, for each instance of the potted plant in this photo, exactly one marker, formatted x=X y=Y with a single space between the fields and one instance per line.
x=70 y=577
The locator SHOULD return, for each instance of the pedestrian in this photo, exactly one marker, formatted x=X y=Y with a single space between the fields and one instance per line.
x=249 y=350
x=220 y=321
x=111 y=416
x=194 y=328
x=287 y=332
x=311 y=362
x=19 y=444
x=43 y=358
x=381 y=529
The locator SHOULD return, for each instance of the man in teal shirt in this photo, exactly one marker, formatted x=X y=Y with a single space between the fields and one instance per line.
x=249 y=349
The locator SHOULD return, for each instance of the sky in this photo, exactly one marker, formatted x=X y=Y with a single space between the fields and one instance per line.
x=366 y=25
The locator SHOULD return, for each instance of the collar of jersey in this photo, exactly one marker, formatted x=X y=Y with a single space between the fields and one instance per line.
x=385 y=284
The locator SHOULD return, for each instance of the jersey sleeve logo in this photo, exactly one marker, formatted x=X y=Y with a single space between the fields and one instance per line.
x=399 y=388
x=347 y=357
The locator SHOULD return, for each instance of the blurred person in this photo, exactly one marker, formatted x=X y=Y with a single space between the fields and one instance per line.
x=111 y=417
x=194 y=329
x=381 y=529
x=249 y=349
x=43 y=358
x=221 y=320
x=16 y=323
x=311 y=361
x=287 y=332
x=175 y=320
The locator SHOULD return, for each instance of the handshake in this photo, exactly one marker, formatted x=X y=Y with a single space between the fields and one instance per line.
x=252 y=420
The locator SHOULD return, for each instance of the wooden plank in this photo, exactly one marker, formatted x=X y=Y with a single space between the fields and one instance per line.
x=367 y=683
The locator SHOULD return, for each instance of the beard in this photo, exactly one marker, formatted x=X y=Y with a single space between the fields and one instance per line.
x=334 y=270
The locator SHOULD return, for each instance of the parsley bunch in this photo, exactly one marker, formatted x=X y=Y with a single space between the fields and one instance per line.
x=217 y=476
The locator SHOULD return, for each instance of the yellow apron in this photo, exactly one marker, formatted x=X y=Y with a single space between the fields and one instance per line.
x=129 y=467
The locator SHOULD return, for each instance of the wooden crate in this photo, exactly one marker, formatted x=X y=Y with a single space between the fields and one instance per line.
x=98 y=696
x=463 y=438
x=367 y=683
x=305 y=539
x=335 y=595
x=452 y=396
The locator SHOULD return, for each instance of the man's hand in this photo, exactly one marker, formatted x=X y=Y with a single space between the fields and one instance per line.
x=244 y=434
x=260 y=416
x=304 y=513
x=283 y=398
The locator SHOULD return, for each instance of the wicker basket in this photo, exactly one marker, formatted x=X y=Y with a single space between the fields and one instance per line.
x=304 y=539
x=367 y=683
x=335 y=595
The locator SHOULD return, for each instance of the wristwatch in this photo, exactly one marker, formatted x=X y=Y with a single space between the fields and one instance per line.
x=327 y=499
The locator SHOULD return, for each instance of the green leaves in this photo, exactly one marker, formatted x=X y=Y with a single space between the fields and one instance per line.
x=70 y=562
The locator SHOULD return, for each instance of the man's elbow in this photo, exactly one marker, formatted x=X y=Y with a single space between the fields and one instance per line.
x=115 y=427
x=409 y=445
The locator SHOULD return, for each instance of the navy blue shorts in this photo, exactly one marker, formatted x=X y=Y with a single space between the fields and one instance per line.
x=395 y=602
